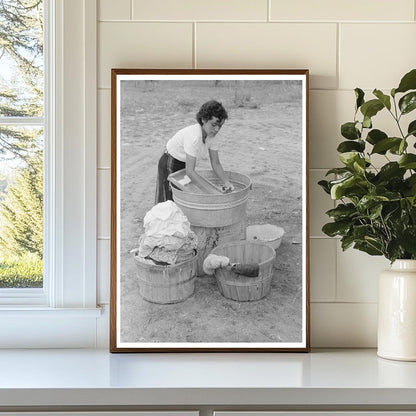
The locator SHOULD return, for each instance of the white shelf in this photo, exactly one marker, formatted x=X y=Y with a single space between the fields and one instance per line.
x=58 y=378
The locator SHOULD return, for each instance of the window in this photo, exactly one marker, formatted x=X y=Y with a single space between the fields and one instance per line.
x=63 y=313
x=22 y=132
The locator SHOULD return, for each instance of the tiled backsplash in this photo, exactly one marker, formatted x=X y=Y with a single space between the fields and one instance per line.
x=345 y=44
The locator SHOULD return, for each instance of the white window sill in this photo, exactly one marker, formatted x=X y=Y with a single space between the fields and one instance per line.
x=36 y=312
x=40 y=327
x=328 y=379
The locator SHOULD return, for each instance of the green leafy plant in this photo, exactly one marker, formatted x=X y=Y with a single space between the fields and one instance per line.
x=376 y=209
x=24 y=271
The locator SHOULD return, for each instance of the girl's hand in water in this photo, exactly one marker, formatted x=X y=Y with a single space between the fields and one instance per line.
x=227 y=187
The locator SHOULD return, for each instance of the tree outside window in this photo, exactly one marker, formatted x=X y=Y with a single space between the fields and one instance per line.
x=21 y=143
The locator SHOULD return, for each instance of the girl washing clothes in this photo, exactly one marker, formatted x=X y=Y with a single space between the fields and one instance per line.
x=189 y=145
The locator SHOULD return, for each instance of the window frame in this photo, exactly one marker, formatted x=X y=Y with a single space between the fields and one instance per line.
x=69 y=292
x=34 y=296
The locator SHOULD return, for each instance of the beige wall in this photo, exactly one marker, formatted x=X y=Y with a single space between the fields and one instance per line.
x=345 y=44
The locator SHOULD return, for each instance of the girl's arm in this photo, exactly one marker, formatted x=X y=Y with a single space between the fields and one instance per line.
x=193 y=176
x=218 y=170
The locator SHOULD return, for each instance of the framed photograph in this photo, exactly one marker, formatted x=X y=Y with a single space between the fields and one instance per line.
x=209 y=211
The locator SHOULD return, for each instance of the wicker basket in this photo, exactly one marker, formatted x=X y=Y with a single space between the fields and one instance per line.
x=238 y=287
x=166 y=284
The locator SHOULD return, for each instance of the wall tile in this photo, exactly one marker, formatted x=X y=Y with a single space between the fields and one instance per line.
x=357 y=275
x=104 y=202
x=103 y=271
x=114 y=10
x=343 y=284
x=257 y=45
x=199 y=10
x=346 y=325
x=142 y=45
x=104 y=129
x=323 y=269
x=319 y=203
x=376 y=55
x=328 y=111
x=342 y=10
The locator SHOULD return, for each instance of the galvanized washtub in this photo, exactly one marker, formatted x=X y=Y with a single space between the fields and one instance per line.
x=215 y=209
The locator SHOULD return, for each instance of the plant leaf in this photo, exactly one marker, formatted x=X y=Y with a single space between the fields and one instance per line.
x=367 y=122
x=403 y=146
x=338 y=171
x=411 y=130
x=407 y=239
x=408 y=82
x=375 y=211
x=333 y=229
x=354 y=188
x=325 y=186
x=408 y=102
x=375 y=136
x=391 y=169
x=385 y=99
x=394 y=251
x=346 y=242
x=359 y=95
x=348 y=158
x=368 y=248
x=371 y=108
x=383 y=145
x=349 y=146
x=342 y=211
x=359 y=165
x=369 y=201
x=338 y=189
x=408 y=161
x=399 y=148
x=349 y=131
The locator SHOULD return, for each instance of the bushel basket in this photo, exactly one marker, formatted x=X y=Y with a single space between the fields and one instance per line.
x=166 y=284
x=239 y=287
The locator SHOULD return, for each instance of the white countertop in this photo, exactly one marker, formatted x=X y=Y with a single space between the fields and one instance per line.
x=96 y=377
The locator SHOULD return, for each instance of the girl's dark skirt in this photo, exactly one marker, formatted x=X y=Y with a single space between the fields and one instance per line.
x=167 y=165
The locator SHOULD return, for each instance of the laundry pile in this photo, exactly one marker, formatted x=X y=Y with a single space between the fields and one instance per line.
x=168 y=238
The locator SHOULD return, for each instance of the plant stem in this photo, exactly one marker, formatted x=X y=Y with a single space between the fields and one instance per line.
x=397 y=118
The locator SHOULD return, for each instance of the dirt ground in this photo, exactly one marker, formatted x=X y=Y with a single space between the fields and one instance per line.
x=261 y=139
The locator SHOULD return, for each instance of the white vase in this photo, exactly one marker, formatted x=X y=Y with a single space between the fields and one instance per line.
x=397 y=312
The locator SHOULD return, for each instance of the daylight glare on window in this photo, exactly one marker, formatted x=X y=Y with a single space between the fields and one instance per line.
x=21 y=143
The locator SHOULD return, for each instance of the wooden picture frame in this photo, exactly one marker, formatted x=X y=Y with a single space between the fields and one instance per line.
x=160 y=306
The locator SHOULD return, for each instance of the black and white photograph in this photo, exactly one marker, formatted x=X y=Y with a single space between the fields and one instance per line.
x=209 y=212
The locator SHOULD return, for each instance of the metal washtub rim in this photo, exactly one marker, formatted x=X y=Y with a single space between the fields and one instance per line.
x=210 y=207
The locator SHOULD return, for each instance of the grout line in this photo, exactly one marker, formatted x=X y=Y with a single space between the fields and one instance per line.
x=194 y=63
x=338 y=63
x=414 y=9
x=323 y=237
x=311 y=22
x=104 y=168
x=310 y=89
x=344 y=303
x=131 y=9
x=190 y=21
x=103 y=238
x=319 y=169
x=269 y=10
x=336 y=270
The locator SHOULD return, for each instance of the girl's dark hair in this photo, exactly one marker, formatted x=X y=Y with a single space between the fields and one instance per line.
x=211 y=109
